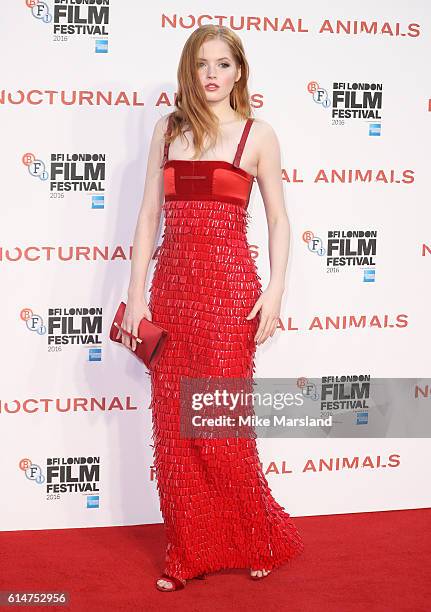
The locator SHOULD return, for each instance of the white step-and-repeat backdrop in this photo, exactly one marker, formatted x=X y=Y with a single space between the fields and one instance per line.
x=346 y=87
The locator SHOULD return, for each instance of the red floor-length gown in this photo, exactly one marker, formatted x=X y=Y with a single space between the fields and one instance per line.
x=217 y=506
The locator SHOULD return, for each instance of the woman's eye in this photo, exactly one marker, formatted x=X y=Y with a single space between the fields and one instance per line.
x=224 y=64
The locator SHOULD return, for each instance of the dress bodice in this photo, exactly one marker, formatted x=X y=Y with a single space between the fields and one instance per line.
x=208 y=179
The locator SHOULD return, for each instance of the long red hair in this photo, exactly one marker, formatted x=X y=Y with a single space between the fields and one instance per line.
x=192 y=108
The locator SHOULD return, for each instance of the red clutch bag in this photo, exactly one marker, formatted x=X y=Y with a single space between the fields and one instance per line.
x=150 y=340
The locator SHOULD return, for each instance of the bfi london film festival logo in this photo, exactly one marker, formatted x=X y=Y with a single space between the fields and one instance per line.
x=71 y=173
x=346 y=249
x=71 y=18
x=80 y=326
x=340 y=394
x=351 y=101
x=66 y=475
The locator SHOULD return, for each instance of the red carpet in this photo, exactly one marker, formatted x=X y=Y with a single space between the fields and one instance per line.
x=378 y=562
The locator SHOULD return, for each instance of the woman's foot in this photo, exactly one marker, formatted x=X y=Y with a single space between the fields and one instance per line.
x=255 y=574
x=169 y=583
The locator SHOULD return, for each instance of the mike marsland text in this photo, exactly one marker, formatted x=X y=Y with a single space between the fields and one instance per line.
x=274 y=420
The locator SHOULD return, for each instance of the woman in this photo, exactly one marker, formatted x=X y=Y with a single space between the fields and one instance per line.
x=216 y=504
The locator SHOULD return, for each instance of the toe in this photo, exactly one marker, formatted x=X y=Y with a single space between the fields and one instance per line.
x=260 y=573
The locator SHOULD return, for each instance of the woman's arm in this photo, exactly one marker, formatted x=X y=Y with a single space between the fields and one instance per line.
x=271 y=188
x=145 y=234
x=149 y=214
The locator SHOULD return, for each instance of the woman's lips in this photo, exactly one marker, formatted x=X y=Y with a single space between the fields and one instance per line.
x=211 y=87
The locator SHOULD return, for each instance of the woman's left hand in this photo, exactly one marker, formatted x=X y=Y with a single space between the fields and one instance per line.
x=269 y=303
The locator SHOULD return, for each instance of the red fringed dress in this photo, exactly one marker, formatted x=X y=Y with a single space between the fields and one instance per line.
x=217 y=506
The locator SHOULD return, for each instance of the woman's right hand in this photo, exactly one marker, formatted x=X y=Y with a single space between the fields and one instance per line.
x=136 y=310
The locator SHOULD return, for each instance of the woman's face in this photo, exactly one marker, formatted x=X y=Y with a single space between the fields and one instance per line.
x=216 y=69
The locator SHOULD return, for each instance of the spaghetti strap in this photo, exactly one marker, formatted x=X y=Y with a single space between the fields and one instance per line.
x=166 y=147
x=241 y=143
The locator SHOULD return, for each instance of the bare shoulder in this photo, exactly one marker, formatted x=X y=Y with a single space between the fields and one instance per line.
x=156 y=152
x=263 y=129
x=264 y=137
x=161 y=125
x=158 y=139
